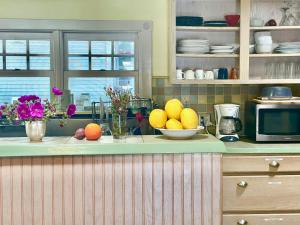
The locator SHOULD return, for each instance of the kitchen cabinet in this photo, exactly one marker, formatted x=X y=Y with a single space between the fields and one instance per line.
x=253 y=68
x=261 y=189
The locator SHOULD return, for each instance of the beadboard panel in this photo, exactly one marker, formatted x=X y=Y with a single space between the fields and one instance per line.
x=181 y=189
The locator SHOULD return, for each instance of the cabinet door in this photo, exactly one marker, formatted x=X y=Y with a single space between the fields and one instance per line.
x=262 y=219
x=261 y=193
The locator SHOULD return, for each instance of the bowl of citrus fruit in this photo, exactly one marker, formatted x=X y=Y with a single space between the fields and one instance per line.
x=175 y=121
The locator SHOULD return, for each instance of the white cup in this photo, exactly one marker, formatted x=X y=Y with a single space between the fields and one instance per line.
x=179 y=74
x=189 y=75
x=199 y=74
x=216 y=73
x=209 y=75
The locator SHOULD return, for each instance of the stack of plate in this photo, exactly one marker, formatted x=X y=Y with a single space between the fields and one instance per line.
x=197 y=46
x=288 y=47
x=222 y=49
x=215 y=23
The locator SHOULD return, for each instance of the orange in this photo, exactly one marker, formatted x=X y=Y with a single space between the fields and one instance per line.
x=92 y=131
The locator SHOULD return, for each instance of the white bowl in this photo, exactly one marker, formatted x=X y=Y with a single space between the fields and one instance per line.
x=264 y=40
x=260 y=49
x=256 y=22
x=180 y=134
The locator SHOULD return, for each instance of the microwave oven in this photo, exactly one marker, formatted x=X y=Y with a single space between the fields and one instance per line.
x=272 y=122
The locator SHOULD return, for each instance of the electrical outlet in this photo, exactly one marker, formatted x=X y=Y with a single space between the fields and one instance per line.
x=206 y=119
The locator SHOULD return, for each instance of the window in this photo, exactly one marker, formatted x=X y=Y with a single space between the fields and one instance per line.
x=25 y=65
x=82 y=56
x=94 y=61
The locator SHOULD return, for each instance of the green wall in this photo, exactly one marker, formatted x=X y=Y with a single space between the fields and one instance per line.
x=154 y=10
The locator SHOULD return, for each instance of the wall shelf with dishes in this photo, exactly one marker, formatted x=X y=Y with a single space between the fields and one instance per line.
x=204 y=38
x=206 y=43
x=277 y=47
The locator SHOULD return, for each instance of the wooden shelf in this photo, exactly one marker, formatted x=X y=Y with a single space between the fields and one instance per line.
x=207 y=81
x=274 y=55
x=276 y=28
x=204 y=28
x=273 y=81
x=207 y=55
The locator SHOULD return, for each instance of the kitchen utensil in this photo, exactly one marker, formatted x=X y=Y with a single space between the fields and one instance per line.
x=209 y=75
x=179 y=74
x=279 y=92
x=189 y=75
x=216 y=73
x=189 y=21
x=232 y=20
x=180 y=134
x=199 y=74
x=227 y=122
x=256 y=22
x=223 y=73
x=265 y=48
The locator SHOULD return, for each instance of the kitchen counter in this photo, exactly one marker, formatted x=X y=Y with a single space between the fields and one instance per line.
x=246 y=146
x=148 y=144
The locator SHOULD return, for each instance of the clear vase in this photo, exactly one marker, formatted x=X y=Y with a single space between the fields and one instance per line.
x=35 y=130
x=119 y=125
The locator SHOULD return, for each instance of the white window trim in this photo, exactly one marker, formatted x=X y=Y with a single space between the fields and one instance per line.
x=58 y=27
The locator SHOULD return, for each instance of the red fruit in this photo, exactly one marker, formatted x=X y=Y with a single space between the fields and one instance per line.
x=80 y=134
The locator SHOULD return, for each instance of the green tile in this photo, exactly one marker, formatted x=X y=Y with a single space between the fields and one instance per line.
x=194 y=99
x=210 y=99
x=211 y=90
x=219 y=90
x=202 y=90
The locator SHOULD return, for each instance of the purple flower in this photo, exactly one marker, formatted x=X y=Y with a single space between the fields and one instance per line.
x=23 y=111
x=23 y=98
x=33 y=98
x=37 y=110
x=28 y=98
x=56 y=91
x=71 y=110
x=1 y=115
x=2 y=107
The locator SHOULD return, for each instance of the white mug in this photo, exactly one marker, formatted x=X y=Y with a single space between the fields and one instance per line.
x=199 y=74
x=179 y=74
x=189 y=75
x=216 y=73
x=209 y=75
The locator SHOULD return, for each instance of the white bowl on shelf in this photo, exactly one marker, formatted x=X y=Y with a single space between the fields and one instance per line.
x=180 y=134
x=262 y=49
x=264 y=40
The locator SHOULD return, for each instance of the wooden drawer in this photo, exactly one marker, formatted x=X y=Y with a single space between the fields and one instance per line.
x=261 y=193
x=267 y=163
x=262 y=219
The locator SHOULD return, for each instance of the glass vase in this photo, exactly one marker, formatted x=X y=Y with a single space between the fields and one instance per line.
x=119 y=125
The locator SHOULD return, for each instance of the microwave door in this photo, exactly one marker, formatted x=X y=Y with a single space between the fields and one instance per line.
x=279 y=123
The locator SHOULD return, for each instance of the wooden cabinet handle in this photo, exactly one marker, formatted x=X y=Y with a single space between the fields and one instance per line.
x=242 y=184
x=242 y=222
x=274 y=164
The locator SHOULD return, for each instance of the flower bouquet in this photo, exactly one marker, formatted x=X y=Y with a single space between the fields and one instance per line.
x=34 y=112
x=119 y=101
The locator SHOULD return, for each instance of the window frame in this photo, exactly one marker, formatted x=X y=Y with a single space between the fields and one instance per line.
x=58 y=28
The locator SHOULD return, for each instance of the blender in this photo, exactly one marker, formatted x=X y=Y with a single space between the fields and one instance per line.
x=227 y=122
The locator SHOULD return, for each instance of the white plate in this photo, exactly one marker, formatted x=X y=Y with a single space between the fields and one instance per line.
x=221 y=47
x=180 y=134
x=222 y=51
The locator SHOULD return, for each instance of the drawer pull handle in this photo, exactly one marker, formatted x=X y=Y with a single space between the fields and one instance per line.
x=242 y=222
x=242 y=184
x=274 y=164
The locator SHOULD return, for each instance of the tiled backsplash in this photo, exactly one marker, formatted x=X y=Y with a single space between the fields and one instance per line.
x=203 y=97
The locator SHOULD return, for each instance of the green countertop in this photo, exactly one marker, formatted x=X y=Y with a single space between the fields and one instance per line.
x=149 y=144
x=246 y=146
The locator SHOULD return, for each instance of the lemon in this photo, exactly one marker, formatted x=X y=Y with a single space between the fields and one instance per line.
x=189 y=118
x=173 y=124
x=173 y=109
x=158 y=118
